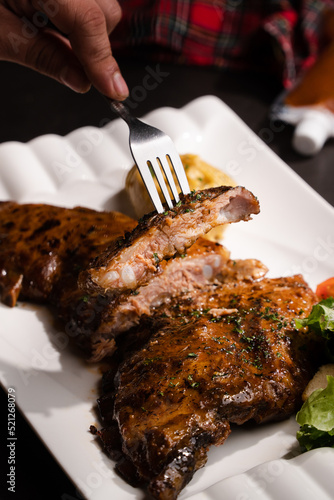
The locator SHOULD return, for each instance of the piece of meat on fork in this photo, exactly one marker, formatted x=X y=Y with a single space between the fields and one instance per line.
x=44 y=248
x=153 y=253
x=132 y=262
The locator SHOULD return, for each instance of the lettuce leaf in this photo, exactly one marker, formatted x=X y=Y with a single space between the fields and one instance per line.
x=321 y=318
x=316 y=418
x=321 y=321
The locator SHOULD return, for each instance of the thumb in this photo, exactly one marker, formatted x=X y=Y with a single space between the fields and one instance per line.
x=44 y=51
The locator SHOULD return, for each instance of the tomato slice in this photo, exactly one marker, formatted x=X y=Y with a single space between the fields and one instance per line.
x=325 y=289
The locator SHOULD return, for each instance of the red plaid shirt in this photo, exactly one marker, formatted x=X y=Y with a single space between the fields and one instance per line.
x=284 y=34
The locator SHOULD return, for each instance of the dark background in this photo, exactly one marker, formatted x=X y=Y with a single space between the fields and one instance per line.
x=32 y=105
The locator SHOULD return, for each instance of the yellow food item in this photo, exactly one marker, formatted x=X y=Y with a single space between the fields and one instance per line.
x=200 y=174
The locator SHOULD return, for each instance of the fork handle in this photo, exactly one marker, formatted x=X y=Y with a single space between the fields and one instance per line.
x=121 y=110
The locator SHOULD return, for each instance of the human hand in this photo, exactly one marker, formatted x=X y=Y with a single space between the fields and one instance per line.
x=78 y=55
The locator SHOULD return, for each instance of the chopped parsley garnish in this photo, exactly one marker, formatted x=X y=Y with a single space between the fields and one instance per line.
x=156 y=258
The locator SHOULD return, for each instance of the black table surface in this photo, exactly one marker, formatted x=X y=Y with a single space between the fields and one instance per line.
x=32 y=105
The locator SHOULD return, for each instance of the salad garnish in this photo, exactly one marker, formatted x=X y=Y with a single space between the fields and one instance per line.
x=321 y=321
x=316 y=416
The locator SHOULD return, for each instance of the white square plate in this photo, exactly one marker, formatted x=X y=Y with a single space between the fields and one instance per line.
x=56 y=391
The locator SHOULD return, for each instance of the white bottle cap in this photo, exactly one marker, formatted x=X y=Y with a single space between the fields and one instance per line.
x=312 y=132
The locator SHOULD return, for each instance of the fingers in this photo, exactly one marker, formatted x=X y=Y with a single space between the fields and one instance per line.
x=84 y=59
x=86 y=23
x=44 y=51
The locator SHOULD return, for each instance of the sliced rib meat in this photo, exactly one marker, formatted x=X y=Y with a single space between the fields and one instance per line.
x=97 y=320
x=43 y=249
x=131 y=262
x=202 y=264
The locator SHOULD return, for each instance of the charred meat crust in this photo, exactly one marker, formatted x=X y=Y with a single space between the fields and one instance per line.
x=43 y=245
x=224 y=353
x=176 y=396
x=133 y=260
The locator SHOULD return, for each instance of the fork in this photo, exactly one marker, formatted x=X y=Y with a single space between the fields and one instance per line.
x=154 y=151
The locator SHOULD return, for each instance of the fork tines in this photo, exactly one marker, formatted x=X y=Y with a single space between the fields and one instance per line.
x=155 y=155
x=162 y=168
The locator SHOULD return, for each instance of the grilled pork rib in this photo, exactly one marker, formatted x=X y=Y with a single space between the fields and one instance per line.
x=97 y=320
x=239 y=358
x=142 y=253
x=209 y=341
x=204 y=263
x=132 y=262
x=43 y=248
x=41 y=245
